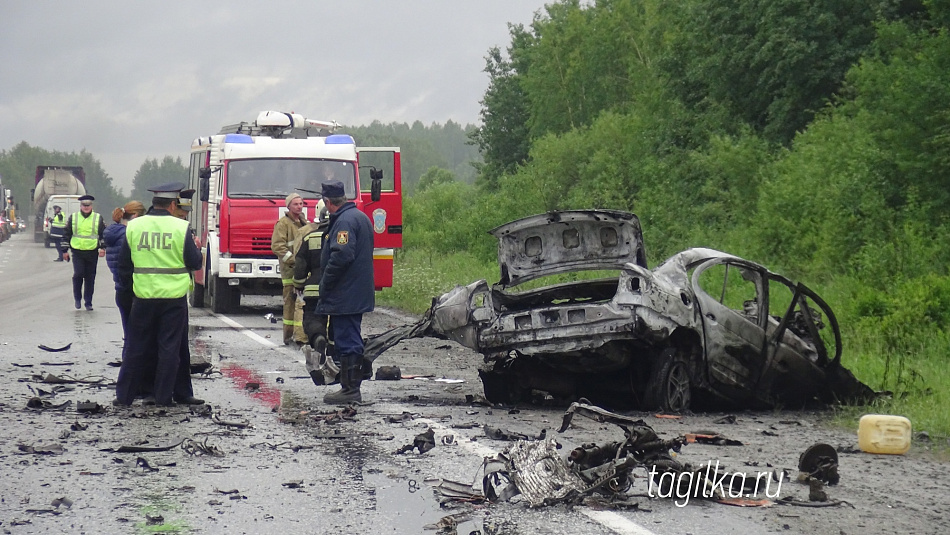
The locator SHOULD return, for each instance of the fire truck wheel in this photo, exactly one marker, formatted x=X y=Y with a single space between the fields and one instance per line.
x=223 y=297
x=197 y=296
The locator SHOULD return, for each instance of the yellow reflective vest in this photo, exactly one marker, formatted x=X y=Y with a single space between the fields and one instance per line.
x=157 y=243
x=57 y=225
x=85 y=232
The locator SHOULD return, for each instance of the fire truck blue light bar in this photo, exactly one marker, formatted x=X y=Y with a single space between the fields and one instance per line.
x=238 y=138
x=340 y=139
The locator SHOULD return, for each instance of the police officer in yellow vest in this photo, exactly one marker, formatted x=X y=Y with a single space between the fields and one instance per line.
x=83 y=235
x=57 y=227
x=158 y=256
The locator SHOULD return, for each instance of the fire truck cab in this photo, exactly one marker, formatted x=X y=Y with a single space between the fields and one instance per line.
x=243 y=174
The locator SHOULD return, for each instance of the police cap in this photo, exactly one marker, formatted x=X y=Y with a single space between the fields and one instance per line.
x=184 y=199
x=167 y=191
x=332 y=189
x=86 y=198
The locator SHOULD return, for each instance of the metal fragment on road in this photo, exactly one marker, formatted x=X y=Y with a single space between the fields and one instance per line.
x=55 y=349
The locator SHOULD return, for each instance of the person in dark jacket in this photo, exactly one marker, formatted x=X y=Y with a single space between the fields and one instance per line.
x=347 y=287
x=114 y=238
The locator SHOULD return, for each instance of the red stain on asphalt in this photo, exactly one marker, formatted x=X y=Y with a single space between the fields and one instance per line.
x=252 y=384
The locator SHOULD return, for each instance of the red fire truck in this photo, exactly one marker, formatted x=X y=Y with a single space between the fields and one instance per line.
x=242 y=175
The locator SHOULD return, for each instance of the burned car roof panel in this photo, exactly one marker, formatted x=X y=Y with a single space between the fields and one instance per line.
x=566 y=241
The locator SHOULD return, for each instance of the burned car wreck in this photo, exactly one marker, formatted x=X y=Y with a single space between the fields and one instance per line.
x=705 y=329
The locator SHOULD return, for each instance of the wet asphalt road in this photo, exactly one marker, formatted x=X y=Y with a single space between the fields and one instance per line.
x=271 y=458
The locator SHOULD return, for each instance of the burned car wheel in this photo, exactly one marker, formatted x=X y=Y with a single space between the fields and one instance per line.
x=669 y=389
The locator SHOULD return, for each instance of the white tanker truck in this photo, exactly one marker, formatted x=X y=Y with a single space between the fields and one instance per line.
x=53 y=180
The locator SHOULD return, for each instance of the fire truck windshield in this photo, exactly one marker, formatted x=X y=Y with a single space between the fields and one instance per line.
x=277 y=177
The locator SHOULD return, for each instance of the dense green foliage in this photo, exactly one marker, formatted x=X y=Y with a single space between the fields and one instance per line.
x=154 y=173
x=423 y=147
x=809 y=136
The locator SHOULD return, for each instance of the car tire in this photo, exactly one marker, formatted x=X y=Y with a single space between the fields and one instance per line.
x=669 y=389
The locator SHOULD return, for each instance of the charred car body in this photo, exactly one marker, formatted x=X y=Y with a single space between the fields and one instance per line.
x=704 y=329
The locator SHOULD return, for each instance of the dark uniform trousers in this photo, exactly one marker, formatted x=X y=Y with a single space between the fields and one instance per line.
x=84 y=271
x=183 y=386
x=156 y=329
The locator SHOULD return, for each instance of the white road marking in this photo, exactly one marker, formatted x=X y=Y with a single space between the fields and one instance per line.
x=615 y=522
x=609 y=519
x=246 y=332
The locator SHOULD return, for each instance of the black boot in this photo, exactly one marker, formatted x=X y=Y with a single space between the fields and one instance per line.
x=351 y=375
x=367 y=369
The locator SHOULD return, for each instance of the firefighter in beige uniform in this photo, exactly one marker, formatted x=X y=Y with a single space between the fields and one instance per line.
x=282 y=243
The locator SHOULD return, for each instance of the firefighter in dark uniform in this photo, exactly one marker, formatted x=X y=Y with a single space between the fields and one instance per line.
x=57 y=227
x=307 y=275
x=83 y=235
x=158 y=256
x=347 y=288
x=184 y=390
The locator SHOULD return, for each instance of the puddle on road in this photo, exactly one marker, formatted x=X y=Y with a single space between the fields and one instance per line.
x=408 y=505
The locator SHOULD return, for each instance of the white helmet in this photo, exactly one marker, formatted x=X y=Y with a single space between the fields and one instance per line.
x=322 y=213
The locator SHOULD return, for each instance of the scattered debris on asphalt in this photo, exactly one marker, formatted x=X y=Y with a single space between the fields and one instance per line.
x=388 y=373
x=193 y=447
x=454 y=491
x=55 y=349
x=49 y=378
x=714 y=439
x=141 y=462
x=36 y=403
x=143 y=449
x=47 y=449
x=502 y=434
x=398 y=419
x=820 y=462
x=226 y=423
x=89 y=407
x=423 y=443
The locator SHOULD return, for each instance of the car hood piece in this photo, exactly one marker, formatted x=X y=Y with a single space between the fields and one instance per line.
x=570 y=240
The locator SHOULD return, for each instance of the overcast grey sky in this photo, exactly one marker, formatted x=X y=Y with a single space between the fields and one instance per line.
x=130 y=80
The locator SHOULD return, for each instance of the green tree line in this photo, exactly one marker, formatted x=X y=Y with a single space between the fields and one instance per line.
x=18 y=171
x=809 y=136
